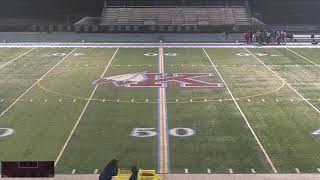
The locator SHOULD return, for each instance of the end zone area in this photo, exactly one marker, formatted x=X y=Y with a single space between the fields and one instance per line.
x=237 y=110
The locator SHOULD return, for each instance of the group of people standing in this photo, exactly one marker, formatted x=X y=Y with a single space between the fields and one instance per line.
x=266 y=37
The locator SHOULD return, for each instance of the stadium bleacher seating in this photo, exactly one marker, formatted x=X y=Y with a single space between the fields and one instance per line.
x=215 y=15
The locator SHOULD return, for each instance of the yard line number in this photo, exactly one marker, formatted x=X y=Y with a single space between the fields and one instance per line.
x=166 y=54
x=257 y=54
x=150 y=132
x=6 y=132
x=64 y=54
x=316 y=132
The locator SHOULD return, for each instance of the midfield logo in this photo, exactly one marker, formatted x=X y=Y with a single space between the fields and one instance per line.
x=145 y=79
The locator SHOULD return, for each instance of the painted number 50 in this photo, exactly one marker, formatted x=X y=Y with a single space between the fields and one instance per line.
x=150 y=132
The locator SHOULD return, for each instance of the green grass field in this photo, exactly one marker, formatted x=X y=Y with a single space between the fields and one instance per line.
x=262 y=120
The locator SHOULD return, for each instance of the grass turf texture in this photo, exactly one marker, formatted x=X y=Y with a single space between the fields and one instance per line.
x=44 y=117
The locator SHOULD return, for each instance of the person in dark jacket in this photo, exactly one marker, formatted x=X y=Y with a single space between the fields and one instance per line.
x=110 y=170
x=134 y=175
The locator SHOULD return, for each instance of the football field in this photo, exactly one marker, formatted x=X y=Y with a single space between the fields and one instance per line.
x=177 y=110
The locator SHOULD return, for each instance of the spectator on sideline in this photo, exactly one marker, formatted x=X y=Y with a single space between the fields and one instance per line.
x=247 y=37
x=226 y=35
x=312 y=38
x=110 y=170
x=265 y=37
x=134 y=173
x=283 y=37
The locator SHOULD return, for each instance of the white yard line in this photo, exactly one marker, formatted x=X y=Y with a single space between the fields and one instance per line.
x=303 y=57
x=16 y=58
x=83 y=111
x=8 y=108
x=303 y=98
x=163 y=124
x=243 y=115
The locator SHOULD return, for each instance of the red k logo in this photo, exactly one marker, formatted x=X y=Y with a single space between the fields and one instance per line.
x=144 y=79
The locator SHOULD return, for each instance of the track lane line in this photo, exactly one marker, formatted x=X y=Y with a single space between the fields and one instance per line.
x=243 y=115
x=16 y=58
x=299 y=94
x=34 y=84
x=83 y=111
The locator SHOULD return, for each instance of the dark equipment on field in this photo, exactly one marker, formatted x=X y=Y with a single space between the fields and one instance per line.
x=110 y=170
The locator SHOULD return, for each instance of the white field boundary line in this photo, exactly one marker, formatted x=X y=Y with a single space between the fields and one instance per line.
x=157 y=45
x=243 y=115
x=303 y=57
x=83 y=111
x=303 y=98
x=16 y=58
x=18 y=99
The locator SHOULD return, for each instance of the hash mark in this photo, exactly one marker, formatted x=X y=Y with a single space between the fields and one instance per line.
x=208 y=171
x=253 y=171
x=230 y=171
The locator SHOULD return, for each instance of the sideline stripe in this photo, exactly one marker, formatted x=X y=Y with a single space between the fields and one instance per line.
x=303 y=98
x=163 y=157
x=83 y=111
x=156 y=45
x=244 y=117
x=8 y=108
x=16 y=58
x=303 y=57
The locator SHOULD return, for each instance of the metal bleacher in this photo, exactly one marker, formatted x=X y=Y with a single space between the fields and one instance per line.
x=212 y=15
